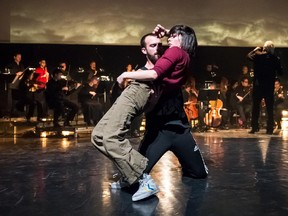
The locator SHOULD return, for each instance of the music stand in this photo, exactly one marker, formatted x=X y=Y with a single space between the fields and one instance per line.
x=208 y=94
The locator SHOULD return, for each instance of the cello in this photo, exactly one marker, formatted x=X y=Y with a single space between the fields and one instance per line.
x=213 y=118
x=191 y=110
x=190 y=106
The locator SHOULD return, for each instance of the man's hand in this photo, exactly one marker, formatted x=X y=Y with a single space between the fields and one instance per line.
x=92 y=93
x=78 y=85
x=19 y=73
x=65 y=88
x=257 y=48
x=239 y=98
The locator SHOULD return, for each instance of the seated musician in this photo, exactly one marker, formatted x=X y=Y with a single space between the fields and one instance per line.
x=204 y=109
x=56 y=97
x=92 y=71
x=41 y=77
x=242 y=100
x=190 y=95
x=27 y=89
x=66 y=73
x=224 y=98
x=91 y=107
x=279 y=99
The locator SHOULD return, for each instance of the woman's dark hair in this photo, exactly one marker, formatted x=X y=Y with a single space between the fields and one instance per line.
x=189 y=40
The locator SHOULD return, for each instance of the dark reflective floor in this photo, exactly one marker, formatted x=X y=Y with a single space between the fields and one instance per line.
x=67 y=176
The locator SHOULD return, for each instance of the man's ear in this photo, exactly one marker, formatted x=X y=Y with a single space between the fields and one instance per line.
x=144 y=51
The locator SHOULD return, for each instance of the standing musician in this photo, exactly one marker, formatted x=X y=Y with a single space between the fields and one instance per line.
x=243 y=101
x=279 y=100
x=66 y=72
x=70 y=83
x=15 y=68
x=27 y=89
x=41 y=77
x=56 y=98
x=91 y=107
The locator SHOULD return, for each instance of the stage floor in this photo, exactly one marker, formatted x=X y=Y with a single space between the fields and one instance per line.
x=248 y=175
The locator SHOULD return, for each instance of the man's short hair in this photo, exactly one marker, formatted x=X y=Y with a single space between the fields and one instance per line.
x=94 y=77
x=244 y=78
x=142 y=41
x=269 y=46
x=56 y=72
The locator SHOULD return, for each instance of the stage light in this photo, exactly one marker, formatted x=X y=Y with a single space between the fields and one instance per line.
x=284 y=113
x=67 y=133
x=43 y=134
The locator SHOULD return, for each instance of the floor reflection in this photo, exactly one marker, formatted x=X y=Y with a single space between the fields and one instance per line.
x=67 y=176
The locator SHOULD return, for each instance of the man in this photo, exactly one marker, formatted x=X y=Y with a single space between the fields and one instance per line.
x=56 y=99
x=41 y=77
x=16 y=67
x=110 y=131
x=266 y=66
x=66 y=73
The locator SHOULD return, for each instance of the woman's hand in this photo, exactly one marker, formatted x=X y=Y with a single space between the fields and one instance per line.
x=160 y=31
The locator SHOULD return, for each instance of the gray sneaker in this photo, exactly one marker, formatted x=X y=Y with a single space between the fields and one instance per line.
x=147 y=187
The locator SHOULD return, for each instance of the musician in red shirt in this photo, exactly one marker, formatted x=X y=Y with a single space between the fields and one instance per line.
x=41 y=77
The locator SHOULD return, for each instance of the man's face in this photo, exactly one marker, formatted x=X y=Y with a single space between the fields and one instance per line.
x=59 y=76
x=42 y=63
x=93 y=65
x=153 y=48
x=244 y=70
x=277 y=84
x=18 y=57
x=63 y=66
x=95 y=83
x=209 y=68
x=245 y=83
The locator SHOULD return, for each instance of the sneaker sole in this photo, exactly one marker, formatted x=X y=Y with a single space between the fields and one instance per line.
x=118 y=186
x=145 y=195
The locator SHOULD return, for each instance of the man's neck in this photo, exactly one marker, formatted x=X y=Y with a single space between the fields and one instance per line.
x=149 y=65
